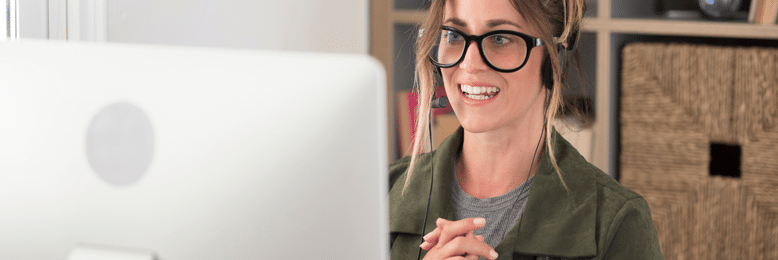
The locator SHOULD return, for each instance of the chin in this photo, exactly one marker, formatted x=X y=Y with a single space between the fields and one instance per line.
x=477 y=126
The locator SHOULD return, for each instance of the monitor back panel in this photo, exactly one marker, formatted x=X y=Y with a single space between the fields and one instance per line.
x=191 y=153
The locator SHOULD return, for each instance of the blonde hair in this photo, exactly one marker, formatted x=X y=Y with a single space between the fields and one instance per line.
x=550 y=18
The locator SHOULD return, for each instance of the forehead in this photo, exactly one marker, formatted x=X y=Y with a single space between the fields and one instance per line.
x=478 y=15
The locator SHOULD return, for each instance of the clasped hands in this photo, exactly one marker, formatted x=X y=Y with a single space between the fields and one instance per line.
x=456 y=240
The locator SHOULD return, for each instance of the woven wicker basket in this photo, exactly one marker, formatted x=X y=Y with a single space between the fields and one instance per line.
x=677 y=99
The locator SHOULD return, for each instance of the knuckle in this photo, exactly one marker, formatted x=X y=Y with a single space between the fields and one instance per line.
x=459 y=241
x=448 y=232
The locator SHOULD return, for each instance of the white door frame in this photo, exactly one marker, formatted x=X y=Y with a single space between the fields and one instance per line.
x=85 y=20
x=10 y=22
x=58 y=19
x=4 y=21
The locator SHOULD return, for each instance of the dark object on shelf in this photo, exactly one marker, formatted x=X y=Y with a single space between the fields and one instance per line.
x=677 y=5
x=683 y=14
x=719 y=9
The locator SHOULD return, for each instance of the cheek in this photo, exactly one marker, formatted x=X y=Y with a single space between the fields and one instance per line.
x=526 y=83
x=531 y=72
x=450 y=87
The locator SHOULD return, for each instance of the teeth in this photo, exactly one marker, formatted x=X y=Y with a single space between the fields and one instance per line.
x=480 y=97
x=479 y=93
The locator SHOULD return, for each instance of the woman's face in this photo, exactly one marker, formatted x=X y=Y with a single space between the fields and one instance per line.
x=518 y=94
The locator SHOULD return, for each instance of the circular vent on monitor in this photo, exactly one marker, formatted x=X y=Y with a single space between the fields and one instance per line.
x=120 y=144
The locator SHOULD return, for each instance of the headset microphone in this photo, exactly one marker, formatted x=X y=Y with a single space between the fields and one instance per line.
x=440 y=102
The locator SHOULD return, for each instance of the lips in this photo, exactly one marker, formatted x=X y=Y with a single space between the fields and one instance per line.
x=478 y=92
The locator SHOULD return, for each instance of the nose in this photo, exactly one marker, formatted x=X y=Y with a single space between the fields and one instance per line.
x=473 y=61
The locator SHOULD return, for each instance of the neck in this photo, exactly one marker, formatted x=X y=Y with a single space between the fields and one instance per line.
x=492 y=164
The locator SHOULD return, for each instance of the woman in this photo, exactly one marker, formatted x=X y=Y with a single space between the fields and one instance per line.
x=506 y=185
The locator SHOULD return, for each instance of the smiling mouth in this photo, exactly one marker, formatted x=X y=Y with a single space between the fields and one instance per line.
x=479 y=93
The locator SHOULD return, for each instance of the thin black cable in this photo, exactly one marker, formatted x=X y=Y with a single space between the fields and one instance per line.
x=432 y=164
x=429 y=197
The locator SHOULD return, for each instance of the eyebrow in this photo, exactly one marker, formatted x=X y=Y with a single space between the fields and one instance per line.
x=490 y=23
x=455 y=21
x=498 y=22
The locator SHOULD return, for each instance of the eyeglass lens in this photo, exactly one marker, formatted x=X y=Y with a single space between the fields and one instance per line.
x=503 y=50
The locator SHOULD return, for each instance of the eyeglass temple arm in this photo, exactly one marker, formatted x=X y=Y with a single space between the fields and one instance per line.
x=538 y=41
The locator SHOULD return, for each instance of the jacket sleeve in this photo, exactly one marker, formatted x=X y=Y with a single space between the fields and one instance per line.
x=632 y=233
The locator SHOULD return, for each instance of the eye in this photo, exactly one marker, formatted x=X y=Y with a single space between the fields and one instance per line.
x=500 y=39
x=452 y=37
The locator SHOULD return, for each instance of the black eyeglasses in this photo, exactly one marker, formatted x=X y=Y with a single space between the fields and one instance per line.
x=502 y=50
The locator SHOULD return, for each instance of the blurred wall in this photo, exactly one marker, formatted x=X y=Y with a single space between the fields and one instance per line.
x=300 y=25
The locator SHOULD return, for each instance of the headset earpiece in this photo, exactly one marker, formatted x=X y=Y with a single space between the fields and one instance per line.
x=547 y=71
x=547 y=68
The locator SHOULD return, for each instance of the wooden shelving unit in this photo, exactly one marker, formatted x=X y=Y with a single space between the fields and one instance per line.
x=682 y=28
x=608 y=30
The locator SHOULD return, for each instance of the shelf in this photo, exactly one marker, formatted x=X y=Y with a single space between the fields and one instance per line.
x=700 y=28
x=411 y=4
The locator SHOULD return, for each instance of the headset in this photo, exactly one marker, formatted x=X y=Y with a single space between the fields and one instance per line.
x=547 y=70
x=547 y=74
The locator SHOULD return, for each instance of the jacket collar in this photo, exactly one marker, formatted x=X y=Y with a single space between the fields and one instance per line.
x=555 y=222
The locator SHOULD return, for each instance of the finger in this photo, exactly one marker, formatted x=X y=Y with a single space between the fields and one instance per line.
x=467 y=246
x=426 y=246
x=453 y=229
x=442 y=222
x=449 y=258
x=431 y=238
x=472 y=235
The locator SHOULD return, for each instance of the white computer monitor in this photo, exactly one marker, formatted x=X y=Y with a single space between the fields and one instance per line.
x=189 y=153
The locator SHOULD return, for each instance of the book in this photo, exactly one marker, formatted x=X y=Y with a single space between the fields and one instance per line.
x=764 y=11
x=752 y=11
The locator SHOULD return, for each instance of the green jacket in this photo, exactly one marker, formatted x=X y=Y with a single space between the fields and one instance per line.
x=597 y=219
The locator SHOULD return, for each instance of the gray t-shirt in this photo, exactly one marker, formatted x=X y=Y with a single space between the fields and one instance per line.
x=501 y=212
